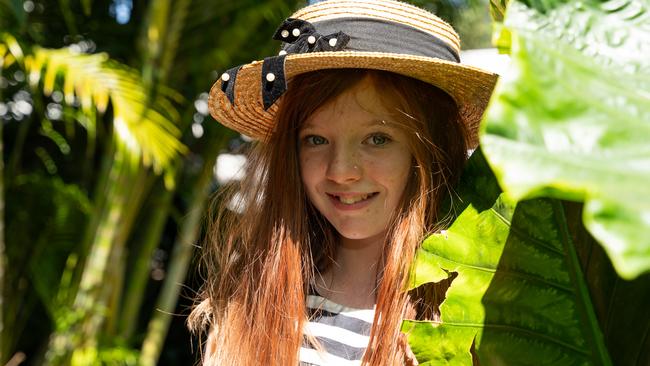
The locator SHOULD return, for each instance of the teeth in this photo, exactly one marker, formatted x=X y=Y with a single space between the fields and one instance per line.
x=351 y=200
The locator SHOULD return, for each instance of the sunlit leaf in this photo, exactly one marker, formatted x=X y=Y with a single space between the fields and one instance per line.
x=101 y=100
x=3 y=54
x=13 y=46
x=92 y=80
x=519 y=294
x=570 y=119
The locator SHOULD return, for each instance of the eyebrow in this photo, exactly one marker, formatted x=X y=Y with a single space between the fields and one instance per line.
x=382 y=122
x=371 y=123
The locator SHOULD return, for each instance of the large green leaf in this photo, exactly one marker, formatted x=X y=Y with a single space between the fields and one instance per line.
x=570 y=119
x=145 y=129
x=519 y=293
x=621 y=306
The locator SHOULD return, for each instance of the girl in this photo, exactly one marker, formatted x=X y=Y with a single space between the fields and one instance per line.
x=363 y=122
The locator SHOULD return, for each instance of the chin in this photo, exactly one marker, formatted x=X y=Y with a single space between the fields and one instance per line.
x=360 y=234
x=355 y=236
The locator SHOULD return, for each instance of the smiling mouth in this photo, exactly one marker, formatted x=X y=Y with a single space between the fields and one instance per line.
x=352 y=199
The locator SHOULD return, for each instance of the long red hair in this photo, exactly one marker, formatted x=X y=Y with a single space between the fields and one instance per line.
x=266 y=241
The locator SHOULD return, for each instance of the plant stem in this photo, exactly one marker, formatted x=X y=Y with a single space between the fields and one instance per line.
x=135 y=288
x=589 y=320
x=140 y=185
x=91 y=298
x=3 y=349
x=17 y=151
x=181 y=255
x=153 y=40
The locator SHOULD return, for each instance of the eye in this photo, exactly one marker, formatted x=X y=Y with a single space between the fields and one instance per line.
x=315 y=140
x=378 y=139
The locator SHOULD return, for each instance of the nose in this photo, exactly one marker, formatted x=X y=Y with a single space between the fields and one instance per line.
x=343 y=165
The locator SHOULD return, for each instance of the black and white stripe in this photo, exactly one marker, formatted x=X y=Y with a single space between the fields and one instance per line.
x=342 y=332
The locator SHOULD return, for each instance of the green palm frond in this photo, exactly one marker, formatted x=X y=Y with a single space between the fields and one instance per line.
x=145 y=129
x=10 y=51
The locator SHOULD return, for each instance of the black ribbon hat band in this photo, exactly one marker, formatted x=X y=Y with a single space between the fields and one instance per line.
x=349 y=34
x=375 y=35
x=274 y=84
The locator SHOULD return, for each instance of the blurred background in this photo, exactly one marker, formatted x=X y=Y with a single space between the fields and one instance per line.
x=109 y=161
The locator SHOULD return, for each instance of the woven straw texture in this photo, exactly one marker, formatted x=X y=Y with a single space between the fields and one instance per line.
x=470 y=87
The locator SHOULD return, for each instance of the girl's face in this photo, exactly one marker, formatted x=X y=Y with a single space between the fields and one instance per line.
x=355 y=162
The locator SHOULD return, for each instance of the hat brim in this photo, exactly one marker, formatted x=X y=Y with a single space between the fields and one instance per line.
x=469 y=86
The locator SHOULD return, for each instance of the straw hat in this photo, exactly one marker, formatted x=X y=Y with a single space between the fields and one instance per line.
x=370 y=34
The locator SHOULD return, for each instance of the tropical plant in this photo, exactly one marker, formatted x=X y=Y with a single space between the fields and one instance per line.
x=95 y=162
x=144 y=135
x=568 y=121
x=104 y=168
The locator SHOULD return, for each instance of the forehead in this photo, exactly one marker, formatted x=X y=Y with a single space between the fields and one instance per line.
x=364 y=104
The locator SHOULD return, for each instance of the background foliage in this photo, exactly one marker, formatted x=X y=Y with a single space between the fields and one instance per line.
x=108 y=158
x=537 y=280
x=584 y=139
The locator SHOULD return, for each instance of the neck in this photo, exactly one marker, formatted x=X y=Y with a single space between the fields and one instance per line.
x=358 y=256
x=352 y=279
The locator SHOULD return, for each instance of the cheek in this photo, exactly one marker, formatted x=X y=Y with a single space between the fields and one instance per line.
x=394 y=171
x=308 y=172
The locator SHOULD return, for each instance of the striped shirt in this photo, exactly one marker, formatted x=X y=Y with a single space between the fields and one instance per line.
x=342 y=332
